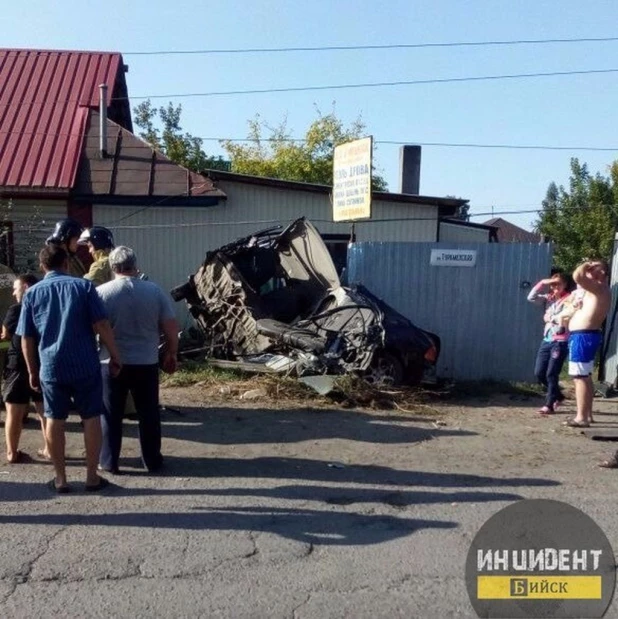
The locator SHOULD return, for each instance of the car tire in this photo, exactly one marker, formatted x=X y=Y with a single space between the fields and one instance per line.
x=385 y=370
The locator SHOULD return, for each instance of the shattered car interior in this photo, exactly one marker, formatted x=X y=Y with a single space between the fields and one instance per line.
x=273 y=301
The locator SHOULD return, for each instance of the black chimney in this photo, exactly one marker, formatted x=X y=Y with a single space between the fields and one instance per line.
x=410 y=169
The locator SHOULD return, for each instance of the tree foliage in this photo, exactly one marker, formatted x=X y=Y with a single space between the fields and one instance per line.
x=181 y=147
x=463 y=212
x=581 y=220
x=272 y=152
x=24 y=233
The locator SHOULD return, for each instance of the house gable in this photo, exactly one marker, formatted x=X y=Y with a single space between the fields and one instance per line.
x=45 y=99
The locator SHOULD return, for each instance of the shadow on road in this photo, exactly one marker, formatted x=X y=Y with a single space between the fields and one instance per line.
x=238 y=426
x=302 y=525
x=306 y=470
x=321 y=470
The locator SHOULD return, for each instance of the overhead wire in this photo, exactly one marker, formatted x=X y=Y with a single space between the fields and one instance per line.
x=375 y=141
x=18 y=224
x=445 y=80
x=369 y=47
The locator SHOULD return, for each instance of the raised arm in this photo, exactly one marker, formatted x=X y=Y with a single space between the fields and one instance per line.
x=580 y=276
x=536 y=295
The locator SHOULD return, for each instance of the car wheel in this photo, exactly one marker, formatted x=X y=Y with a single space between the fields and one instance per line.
x=385 y=370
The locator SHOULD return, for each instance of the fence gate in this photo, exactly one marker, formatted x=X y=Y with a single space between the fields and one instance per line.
x=472 y=295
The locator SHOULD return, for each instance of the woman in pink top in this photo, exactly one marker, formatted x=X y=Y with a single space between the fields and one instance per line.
x=553 y=351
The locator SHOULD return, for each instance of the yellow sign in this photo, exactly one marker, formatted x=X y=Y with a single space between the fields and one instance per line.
x=539 y=587
x=352 y=180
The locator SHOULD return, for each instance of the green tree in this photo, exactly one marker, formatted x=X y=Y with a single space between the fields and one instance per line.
x=582 y=219
x=463 y=212
x=181 y=147
x=272 y=152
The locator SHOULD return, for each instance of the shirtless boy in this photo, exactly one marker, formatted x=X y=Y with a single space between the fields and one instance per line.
x=586 y=337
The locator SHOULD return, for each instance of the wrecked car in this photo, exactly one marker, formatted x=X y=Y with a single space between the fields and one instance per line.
x=273 y=301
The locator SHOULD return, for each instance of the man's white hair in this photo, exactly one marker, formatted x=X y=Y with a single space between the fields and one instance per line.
x=122 y=259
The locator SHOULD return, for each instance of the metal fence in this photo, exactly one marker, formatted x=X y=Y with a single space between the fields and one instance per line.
x=611 y=327
x=478 y=308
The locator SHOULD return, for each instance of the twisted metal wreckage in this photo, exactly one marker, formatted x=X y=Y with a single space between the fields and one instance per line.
x=273 y=302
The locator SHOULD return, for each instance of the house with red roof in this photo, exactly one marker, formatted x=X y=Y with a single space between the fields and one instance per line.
x=63 y=149
x=67 y=148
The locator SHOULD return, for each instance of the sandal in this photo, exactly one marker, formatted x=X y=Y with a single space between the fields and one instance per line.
x=611 y=463
x=42 y=453
x=572 y=423
x=18 y=457
x=102 y=483
x=51 y=484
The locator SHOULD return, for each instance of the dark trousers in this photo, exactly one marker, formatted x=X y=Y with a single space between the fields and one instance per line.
x=549 y=361
x=142 y=381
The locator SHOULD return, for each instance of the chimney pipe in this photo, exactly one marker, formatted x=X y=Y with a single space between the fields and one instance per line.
x=103 y=120
x=410 y=169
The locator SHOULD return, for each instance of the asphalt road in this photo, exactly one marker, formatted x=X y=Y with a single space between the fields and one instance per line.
x=287 y=513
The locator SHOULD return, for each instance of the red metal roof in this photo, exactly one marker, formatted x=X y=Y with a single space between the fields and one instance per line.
x=510 y=233
x=45 y=97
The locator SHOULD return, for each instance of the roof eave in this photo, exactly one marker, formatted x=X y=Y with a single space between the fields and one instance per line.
x=449 y=205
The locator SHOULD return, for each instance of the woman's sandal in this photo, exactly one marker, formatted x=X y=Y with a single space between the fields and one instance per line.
x=572 y=423
x=610 y=463
x=18 y=456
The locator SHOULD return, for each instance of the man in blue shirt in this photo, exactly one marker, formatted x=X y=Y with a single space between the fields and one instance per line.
x=62 y=314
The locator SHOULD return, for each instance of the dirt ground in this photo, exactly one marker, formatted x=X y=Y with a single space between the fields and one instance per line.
x=498 y=432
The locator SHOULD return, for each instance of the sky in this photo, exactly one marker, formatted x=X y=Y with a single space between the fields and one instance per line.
x=574 y=112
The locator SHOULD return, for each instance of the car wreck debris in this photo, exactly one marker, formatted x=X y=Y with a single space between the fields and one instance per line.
x=273 y=302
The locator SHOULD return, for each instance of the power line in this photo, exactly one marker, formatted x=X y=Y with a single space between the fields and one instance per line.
x=331 y=48
x=445 y=80
x=22 y=225
x=383 y=142
x=166 y=226
x=224 y=93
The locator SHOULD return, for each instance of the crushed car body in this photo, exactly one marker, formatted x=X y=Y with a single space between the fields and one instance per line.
x=273 y=301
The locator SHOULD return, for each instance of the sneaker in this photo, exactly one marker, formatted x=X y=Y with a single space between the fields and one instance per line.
x=557 y=405
x=545 y=410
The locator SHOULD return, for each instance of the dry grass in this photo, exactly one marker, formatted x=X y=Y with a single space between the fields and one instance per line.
x=280 y=390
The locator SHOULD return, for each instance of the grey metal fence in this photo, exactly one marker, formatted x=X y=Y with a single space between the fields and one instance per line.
x=611 y=329
x=472 y=295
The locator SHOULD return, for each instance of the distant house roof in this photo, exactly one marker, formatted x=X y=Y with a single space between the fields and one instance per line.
x=45 y=97
x=491 y=229
x=447 y=206
x=510 y=233
x=132 y=169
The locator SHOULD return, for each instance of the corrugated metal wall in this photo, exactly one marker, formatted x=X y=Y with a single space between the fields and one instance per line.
x=488 y=329
x=33 y=222
x=452 y=233
x=611 y=343
x=171 y=242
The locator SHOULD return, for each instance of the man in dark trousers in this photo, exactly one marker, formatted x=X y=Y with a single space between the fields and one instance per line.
x=139 y=312
x=62 y=314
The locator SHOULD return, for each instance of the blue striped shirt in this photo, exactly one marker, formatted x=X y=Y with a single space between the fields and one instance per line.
x=59 y=313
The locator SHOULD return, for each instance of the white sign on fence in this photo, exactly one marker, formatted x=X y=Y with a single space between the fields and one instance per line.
x=352 y=180
x=453 y=258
